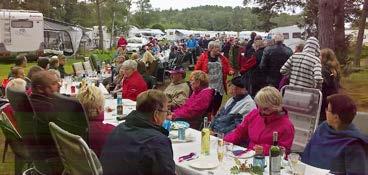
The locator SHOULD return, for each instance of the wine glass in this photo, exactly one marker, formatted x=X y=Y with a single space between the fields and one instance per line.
x=220 y=147
x=293 y=159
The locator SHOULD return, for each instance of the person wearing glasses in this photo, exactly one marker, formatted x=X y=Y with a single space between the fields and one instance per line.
x=337 y=145
x=141 y=145
x=258 y=126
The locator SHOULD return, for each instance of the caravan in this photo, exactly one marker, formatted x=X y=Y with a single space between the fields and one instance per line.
x=293 y=35
x=21 y=31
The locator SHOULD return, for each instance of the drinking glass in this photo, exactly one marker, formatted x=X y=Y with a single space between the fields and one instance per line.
x=220 y=147
x=229 y=149
x=293 y=159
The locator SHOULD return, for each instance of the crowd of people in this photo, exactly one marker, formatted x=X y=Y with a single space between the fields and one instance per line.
x=259 y=68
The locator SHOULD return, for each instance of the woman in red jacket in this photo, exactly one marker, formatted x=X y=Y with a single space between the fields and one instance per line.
x=132 y=83
x=218 y=68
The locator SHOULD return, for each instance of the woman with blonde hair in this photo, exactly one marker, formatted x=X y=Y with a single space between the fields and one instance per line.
x=93 y=101
x=197 y=105
x=331 y=78
x=258 y=126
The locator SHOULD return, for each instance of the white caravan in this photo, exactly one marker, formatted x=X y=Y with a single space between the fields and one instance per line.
x=293 y=35
x=354 y=36
x=21 y=31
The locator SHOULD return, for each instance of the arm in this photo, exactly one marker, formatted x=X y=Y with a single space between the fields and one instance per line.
x=264 y=60
x=227 y=67
x=196 y=106
x=317 y=73
x=163 y=161
x=286 y=68
x=240 y=133
x=199 y=64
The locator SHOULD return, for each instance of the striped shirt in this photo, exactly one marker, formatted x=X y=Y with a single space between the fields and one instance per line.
x=304 y=69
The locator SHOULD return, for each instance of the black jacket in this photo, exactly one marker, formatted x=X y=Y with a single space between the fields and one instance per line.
x=138 y=147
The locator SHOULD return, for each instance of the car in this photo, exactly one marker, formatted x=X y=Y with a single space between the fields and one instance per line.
x=135 y=44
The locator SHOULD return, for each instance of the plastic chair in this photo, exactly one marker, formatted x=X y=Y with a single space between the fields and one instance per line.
x=360 y=121
x=76 y=156
x=70 y=115
x=87 y=67
x=78 y=68
x=303 y=106
x=14 y=139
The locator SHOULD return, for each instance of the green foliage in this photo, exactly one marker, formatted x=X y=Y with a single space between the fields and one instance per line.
x=104 y=55
x=158 y=26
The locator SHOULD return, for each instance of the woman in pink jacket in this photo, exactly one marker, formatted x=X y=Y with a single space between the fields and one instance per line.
x=197 y=105
x=257 y=127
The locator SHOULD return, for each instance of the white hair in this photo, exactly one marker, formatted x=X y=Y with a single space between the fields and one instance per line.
x=278 y=38
x=17 y=84
x=132 y=64
x=214 y=44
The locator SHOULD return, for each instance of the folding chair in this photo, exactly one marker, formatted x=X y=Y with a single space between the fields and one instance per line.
x=361 y=122
x=14 y=139
x=75 y=154
x=303 y=106
x=78 y=69
x=87 y=67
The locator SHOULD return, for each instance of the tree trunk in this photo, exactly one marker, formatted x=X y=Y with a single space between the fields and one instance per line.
x=359 y=43
x=340 y=42
x=325 y=24
x=100 y=32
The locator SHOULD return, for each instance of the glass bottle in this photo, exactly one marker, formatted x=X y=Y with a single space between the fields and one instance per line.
x=205 y=140
x=119 y=107
x=275 y=158
x=259 y=158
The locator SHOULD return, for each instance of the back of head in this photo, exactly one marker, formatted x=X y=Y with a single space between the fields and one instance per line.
x=42 y=79
x=131 y=64
x=20 y=59
x=92 y=100
x=43 y=62
x=278 y=38
x=343 y=106
x=33 y=70
x=312 y=46
x=17 y=84
x=200 y=76
x=253 y=35
x=150 y=101
x=269 y=97
x=329 y=61
x=16 y=70
x=54 y=62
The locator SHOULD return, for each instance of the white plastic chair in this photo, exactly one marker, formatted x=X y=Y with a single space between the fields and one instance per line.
x=78 y=68
x=75 y=154
x=303 y=106
x=361 y=122
x=87 y=67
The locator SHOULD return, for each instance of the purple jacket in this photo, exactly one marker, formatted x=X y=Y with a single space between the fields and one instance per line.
x=257 y=130
x=195 y=107
x=98 y=133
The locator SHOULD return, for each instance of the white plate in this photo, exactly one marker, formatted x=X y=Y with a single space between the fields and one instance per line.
x=246 y=155
x=204 y=164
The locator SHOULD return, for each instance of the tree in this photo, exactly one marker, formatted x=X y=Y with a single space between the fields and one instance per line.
x=158 y=26
x=359 y=42
x=142 y=17
x=99 y=20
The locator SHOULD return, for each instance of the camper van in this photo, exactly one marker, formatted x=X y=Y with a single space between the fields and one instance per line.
x=21 y=31
x=293 y=35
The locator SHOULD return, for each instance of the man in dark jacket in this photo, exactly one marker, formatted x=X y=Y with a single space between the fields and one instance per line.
x=61 y=66
x=274 y=57
x=140 y=146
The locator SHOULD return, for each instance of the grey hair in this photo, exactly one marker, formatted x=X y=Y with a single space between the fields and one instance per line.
x=279 y=38
x=17 y=84
x=132 y=64
x=213 y=44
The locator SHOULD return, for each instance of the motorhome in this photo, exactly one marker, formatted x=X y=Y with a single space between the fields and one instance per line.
x=293 y=35
x=21 y=31
x=354 y=35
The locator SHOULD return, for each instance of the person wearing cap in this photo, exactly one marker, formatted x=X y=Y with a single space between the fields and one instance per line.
x=178 y=90
x=273 y=58
x=239 y=105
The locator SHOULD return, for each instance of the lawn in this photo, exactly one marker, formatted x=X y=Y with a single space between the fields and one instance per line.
x=356 y=85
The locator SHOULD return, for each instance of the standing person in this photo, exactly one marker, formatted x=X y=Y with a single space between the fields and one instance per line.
x=141 y=145
x=273 y=58
x=20 y=61
x=257 y=79
x=192 y=44
x=337 y=145
x=226 y=47
x=62 y=61
x=218 y=68
x=233 y=56
x=122 y=42
x=304 y=68
x=249 y=50
x=331 y=78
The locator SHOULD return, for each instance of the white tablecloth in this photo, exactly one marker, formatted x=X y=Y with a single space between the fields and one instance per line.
x=66 y=88
x=110 y=117
x=183 y=168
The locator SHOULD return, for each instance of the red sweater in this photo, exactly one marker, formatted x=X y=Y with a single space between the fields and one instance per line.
x=98 y=133
x=202 y=64
x=133 y=86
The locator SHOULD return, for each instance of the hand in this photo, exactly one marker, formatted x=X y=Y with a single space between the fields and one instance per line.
x=231 y=72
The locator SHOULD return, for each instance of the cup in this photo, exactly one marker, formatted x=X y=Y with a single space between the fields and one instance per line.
x=293 y=159
x=72 y=89
x=181 y=133
x=299 y=169
x=167 y=125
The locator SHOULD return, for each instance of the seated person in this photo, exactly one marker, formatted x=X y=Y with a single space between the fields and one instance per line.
x=61 y=68
x=31 y=72
x=178 y=90
x=44 y=85
x=238 y=106
x=54 y=63
x=141 y=145
x=44 y=62
x=198 y=104
x=337 y=145
x=20 y=61
x=93 y=101
x=17 y=72
x=258 y=126
x=132 y=83
x=17 y=84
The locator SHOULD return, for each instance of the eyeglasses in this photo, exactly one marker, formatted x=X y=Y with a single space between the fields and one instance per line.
x=168 y=112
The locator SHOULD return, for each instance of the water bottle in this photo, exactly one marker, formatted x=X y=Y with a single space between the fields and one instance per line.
x=119 y=107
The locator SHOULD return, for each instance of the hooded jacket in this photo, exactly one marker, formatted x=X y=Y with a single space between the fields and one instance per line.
x=342 y=152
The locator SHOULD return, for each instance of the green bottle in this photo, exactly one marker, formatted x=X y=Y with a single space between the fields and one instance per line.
x=275 y=156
